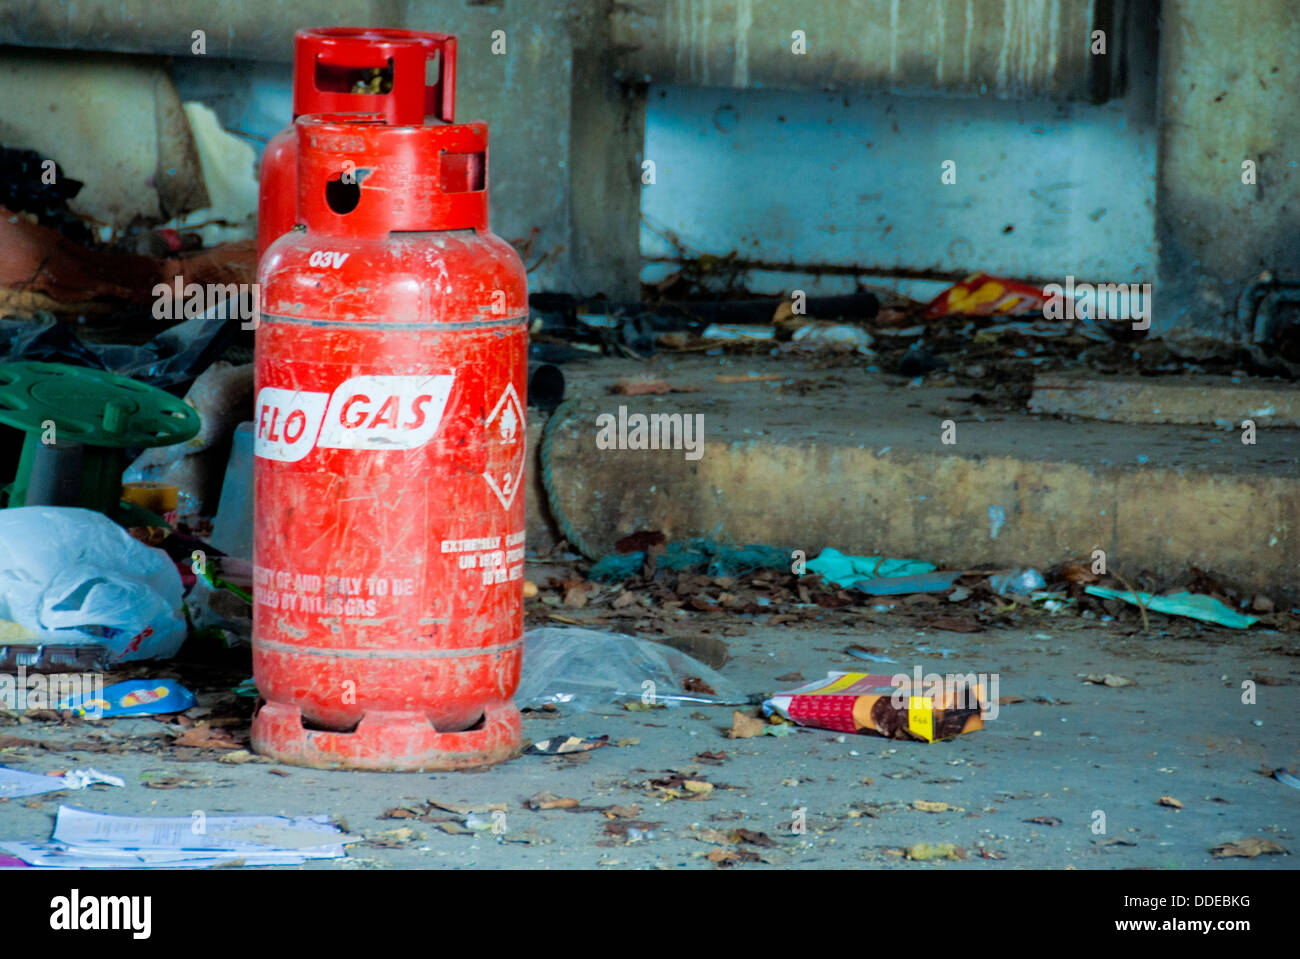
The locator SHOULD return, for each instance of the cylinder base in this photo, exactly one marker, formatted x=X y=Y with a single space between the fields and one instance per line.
x=387 y=741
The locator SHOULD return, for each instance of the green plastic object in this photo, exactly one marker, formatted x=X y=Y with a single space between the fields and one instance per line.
x=85 y=420
x=1192 y=605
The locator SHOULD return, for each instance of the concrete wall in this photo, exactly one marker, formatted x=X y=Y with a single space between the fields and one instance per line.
x=849 y=179
x=1012 y=49
x=1228 y=93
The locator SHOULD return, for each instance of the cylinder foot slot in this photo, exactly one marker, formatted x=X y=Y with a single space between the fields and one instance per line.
x=396 y=740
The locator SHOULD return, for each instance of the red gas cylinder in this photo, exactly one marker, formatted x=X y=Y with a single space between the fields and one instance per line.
x=390 y=367
x=328 y=64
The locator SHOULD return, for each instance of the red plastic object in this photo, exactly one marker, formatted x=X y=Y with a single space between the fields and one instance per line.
x=391 y=360
x=983 y=295
x=326 y=61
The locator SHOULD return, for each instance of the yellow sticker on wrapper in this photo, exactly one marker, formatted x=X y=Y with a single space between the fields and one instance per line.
x=920 y=717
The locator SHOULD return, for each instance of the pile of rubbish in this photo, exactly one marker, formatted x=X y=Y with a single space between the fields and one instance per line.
x=771 y=585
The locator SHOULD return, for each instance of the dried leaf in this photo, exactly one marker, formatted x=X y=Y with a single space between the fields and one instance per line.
x=648 y=386
x=745 y=727
x=204 y=736
x=711 y=758
x=1248 y=848
x=456 y=829
x=630 y=811
x=753 y=838
x=1045 y=820
x=924 y=851
x=575 y=593
x=1079 y=574
x=550 y=801
x=924 y=805
x=397 y=836
x=718 y=837
x=697 y=786
x=1169 y=801
x=693 y=684
x=1108 y=679
x=728 y=857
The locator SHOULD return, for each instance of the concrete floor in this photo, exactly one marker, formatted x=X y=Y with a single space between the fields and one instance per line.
x=1181 y=731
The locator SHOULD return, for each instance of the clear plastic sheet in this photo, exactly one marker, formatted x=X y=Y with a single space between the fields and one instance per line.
x=583 y=668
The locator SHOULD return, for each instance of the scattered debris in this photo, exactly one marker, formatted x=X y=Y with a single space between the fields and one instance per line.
x=560 y=745
x=869 y=653
x=1169 y=801
x=1286 y=778
x=15 y=783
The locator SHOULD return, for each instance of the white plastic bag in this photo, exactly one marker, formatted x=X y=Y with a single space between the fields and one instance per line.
x=74 y=576
x=587 y=667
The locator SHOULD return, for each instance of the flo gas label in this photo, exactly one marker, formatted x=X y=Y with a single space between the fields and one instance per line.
x=363 y=413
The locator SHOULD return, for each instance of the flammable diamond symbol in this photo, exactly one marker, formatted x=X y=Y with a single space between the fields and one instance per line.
x=505 y=429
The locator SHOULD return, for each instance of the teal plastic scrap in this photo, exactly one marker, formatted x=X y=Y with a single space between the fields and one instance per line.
x=1192 y=605
x=900 y=585
x=843 y=569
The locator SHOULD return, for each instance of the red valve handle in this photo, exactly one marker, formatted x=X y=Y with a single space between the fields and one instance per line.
x=326 y=52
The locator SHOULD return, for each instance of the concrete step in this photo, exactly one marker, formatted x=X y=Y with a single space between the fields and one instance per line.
x=1197 y=400
x=856 y=460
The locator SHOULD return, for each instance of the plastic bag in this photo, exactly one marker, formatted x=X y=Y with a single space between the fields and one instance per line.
x=1024 y=582
x=586 y=668
x=74 y=576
